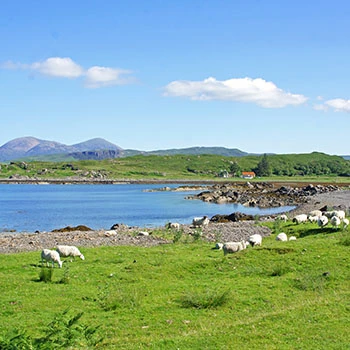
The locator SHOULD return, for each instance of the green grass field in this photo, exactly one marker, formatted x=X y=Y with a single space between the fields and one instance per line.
x=184 y=295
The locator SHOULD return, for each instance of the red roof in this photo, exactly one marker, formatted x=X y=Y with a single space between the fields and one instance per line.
x=250 y=173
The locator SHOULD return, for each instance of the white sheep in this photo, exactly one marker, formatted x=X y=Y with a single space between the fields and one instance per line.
x=298 y=219
x=173 y=225
x=69 y=250
x=317 y=213
x=233 y=247
x=51 y=256
x=322 y=221
x=255 y=239
x=282 y=237
x=292 y=238
x=339 y=213
x=345 y=222
x=335 y=221
x=200 y=221
x=282 y=217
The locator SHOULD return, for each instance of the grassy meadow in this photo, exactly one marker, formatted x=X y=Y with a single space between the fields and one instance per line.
x=184 y=295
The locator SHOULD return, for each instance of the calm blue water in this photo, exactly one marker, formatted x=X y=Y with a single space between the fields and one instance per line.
x=46 y=207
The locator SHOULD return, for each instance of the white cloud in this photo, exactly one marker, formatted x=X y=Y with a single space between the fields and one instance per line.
x=58 y=67
x=258 y=91
x=339 y=105
x=65 y=67
x=103 y=76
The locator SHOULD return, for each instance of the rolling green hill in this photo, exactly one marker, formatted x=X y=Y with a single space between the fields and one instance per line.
x=181 y=167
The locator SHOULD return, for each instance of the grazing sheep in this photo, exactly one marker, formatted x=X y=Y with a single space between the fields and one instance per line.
x=282 y=237
x=345 y=222
x=255 y=239
x=298 y=219
x=173 y=225
x=335 y=221
x=292 y=238
x=282 y=217
x=233 y=247
x=317 y=213
x=51 y=256
x=322 y=221
x=339 y=213
x=313 y=218
x=200 y=221
x=69 y=250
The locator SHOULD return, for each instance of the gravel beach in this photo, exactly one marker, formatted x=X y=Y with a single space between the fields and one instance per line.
x=232 y=231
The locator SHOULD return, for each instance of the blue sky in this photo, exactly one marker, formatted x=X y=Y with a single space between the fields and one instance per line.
x=261 y=76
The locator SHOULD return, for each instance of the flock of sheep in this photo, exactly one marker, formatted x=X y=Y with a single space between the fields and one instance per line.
x=335 y=218
x=54 y=256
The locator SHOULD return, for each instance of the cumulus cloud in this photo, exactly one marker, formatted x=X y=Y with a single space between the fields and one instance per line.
x=337 y=104
x=58 y=67
x=259 y=91
x=65 y=67
x=103 y=76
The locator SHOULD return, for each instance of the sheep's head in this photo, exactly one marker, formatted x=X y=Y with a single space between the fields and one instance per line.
x=82 y=257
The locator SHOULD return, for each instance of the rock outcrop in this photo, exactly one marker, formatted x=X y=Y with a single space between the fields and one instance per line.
x=261 y=194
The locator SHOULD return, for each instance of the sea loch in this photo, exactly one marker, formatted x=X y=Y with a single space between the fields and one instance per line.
x=28 y=207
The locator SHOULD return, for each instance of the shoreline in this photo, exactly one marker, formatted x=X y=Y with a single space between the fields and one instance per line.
x=15 y=242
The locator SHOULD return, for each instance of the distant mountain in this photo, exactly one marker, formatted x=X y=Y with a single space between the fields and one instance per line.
x=96 y=144
x=32 y=148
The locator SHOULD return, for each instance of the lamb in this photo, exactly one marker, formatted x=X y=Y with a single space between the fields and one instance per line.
x=67 y=250
x=298 y=219
x=255 y=239
x=51 y=256
x=292 y=238
x=282 y=237
x=200 y=221
x=335 y=221
x=233 y=247
x=322 y=221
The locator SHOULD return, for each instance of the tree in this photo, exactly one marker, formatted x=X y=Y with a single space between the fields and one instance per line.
x=263 y=168
x=235 y=169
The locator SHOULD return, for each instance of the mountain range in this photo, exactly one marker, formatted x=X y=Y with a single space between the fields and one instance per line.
x=30 y=148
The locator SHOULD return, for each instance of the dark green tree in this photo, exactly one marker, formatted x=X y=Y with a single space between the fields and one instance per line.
x=263 y=168
x=235 y=169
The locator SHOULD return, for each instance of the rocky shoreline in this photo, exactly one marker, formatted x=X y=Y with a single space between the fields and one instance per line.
x=124 y=235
